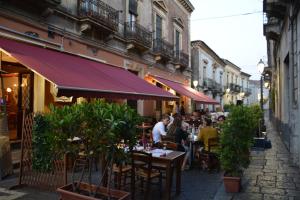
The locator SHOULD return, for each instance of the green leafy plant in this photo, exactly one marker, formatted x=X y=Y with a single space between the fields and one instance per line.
x=236 y=138
x=227 y=107
x=99 y=125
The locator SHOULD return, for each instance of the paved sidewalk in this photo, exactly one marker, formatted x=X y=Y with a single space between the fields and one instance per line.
x=270 y=175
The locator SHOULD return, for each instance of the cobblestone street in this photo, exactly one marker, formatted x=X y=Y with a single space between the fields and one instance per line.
x=271 y=174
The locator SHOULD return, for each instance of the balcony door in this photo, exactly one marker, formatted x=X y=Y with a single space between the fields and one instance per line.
x=177 y=43
x=158 y=27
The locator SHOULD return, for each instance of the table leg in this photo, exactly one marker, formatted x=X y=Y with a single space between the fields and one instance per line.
x=178 y=175
x=169 y=172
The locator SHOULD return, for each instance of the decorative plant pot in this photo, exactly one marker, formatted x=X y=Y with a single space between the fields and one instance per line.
x=232 y=184
x=67 y=193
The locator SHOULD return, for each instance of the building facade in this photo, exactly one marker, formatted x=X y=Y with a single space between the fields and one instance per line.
x=281 y=29
x=232 y=83
x=208 y=69
x=245 y=89
x=144 y=37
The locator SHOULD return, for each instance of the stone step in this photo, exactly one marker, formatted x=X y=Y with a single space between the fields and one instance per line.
x=16 y=157
x=15 y=144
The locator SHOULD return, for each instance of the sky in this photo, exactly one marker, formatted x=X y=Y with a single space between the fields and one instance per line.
x=239 y=39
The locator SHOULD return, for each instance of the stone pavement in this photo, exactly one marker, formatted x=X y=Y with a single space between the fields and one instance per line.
x=270 y=175
x=196 y=185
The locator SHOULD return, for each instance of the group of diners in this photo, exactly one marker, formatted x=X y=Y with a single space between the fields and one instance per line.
x=181 y=130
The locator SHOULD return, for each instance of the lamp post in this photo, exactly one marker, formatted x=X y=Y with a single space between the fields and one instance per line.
x=195 y=84
x=261 y=66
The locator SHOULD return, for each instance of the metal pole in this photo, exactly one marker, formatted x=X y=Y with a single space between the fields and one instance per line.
x=261 y=93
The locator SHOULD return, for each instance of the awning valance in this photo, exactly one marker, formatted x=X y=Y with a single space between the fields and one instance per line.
x=187 y=91
x=77 y=76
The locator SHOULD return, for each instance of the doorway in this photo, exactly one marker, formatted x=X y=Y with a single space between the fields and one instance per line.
x=17 y=96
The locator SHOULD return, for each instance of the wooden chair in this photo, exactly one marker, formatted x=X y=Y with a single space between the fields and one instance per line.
x=121 y=171
x=209 y=159
x=142 y=171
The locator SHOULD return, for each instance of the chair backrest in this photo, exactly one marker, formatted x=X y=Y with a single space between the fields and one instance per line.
x=142 y=160
x=171 y=145
x=213 y=143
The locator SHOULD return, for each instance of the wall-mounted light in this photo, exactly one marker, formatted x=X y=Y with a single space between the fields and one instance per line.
x=266 y=84
x=195 y=83
x=227 y=90
x=8 y=90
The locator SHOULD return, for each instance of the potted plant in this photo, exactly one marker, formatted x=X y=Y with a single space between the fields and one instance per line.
x=98 y=128
x=236 y=139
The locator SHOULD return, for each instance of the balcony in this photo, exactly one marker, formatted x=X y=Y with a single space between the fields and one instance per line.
x=181 y=60
x=40 y=7
x=218 y=88
x=247 y=91
x=234 y=88
x=209 y=84
x=99 y=14
x=162 y=49
x=275 y=8
x=272 y=28
x=137 y=36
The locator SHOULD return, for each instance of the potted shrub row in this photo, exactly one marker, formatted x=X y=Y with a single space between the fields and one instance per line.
x=236 y=139
x=89 y=129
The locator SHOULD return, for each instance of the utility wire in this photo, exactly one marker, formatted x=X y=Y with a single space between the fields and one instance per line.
x=227 y=16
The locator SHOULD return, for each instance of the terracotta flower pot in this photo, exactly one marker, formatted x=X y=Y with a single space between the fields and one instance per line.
x=67 y=193
x=232 y=184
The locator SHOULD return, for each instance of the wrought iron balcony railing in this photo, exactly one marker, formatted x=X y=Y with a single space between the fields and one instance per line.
x=181 y=58
x=248 y=91
x=162 y=48
x=209 y=83
x=137 y=33
x=218 y=87
x=100 y=12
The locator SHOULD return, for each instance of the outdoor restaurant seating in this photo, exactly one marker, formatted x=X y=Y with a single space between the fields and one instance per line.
x=143 y=171
x=121 y=171
x=209 y=159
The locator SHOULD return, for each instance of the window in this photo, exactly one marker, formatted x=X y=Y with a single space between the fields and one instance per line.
x=158 y=27
x=177 y=42
x=133 y=7
x=242 y=83
x=295 y=62
x=227 y=79
x=221 y=78
x=214 y=74
x=204 y=72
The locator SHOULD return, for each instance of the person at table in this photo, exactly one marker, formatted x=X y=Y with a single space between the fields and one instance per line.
x=182 y=110
x=180 y=138
x=195 y=120
x=207 y=132
x=159 y=129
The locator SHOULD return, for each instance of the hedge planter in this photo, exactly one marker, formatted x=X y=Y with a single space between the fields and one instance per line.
x=67 y=193
x=232 y=184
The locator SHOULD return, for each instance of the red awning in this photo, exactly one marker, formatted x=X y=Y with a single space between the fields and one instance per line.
x=77 y=76
x=187 y=91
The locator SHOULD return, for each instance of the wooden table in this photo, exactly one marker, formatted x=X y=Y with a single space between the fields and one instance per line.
x=170 y=162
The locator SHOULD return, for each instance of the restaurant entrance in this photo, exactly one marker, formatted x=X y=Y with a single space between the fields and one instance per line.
x=17 y=94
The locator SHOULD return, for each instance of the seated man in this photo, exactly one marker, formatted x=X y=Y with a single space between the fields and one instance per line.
x=160 y=129
x=195 y=120
x=206 y=133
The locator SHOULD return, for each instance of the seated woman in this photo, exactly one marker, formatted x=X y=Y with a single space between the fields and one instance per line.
x=206 y=133
x=180 y=137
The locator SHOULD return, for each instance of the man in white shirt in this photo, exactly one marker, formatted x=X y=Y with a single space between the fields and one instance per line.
x=160 y=129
